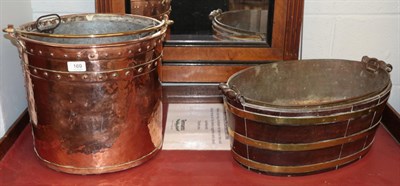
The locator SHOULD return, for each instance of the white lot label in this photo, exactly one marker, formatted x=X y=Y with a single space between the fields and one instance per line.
x=76 y=66
x=196 y=127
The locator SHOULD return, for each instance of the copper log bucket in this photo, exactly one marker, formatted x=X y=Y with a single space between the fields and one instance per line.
x=93 y=91
x=303 y=117
x=239 y=25
x=151 y=8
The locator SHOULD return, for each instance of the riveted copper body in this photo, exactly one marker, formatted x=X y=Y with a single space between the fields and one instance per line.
x=152 y=8
x=106 y=115
x=303 y=117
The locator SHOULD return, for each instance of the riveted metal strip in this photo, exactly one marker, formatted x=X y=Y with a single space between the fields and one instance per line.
x=124 y=51
x=301 y=120
x=301 y=146
x=97 y=76
x=299 y=169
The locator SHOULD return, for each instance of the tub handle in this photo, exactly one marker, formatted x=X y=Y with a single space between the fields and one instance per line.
x=11 y=32
x=229 y=93
x=49 y=30
x=214 y=14
x=168 y=22
x=373 y=64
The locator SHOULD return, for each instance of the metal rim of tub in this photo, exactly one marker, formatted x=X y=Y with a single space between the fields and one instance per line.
x=329 y=133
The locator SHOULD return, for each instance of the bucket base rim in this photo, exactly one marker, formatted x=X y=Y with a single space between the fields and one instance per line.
x=97 y=170
x=301 y=169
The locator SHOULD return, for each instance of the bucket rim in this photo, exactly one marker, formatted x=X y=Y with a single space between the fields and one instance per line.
x=159 y=25
x=114 y=44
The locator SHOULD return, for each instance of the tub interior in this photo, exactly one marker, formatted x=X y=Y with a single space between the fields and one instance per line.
x=308 y=82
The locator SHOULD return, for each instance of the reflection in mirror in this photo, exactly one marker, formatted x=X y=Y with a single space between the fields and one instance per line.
x=221 y=21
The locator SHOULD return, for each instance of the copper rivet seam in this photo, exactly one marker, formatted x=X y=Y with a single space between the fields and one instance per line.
x=157 y=36
x=93 y=77
x=98 y=72
x=105 y=54
x=301 y=146
x=146 y=72
x=303 y=120
x=97 y=76
x=301 y=168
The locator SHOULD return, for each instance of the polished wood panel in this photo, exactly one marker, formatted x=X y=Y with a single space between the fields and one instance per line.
x=204 y=54
x=203 y=73
x=293 y=29
x=110 y=6
x=391 y=120
x=193 y=93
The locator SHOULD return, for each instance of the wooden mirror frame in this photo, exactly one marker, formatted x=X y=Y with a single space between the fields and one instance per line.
x=209 y=63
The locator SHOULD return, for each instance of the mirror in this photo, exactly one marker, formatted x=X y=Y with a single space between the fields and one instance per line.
x=223 y=22
x=198 y=56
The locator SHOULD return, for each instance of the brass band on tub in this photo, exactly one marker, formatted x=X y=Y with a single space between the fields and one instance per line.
x=301 y=146
x=301 y=168
x=301 y=120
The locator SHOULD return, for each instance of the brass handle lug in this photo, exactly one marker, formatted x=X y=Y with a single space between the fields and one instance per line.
x=373 y=64
x=9 y=29
x=214 y=14
x=230 y=93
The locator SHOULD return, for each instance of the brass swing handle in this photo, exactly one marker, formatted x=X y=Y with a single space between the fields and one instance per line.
x=49 y=29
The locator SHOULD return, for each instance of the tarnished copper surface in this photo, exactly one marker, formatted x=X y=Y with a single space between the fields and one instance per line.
x=151 y=8
x=105 y=118
x=304 y=117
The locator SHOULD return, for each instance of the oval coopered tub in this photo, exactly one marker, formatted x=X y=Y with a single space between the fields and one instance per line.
x=302 y=117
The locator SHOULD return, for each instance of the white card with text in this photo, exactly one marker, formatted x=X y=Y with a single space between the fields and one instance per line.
x=196 y=127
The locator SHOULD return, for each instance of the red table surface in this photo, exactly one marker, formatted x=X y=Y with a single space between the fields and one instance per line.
x=381 y=166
